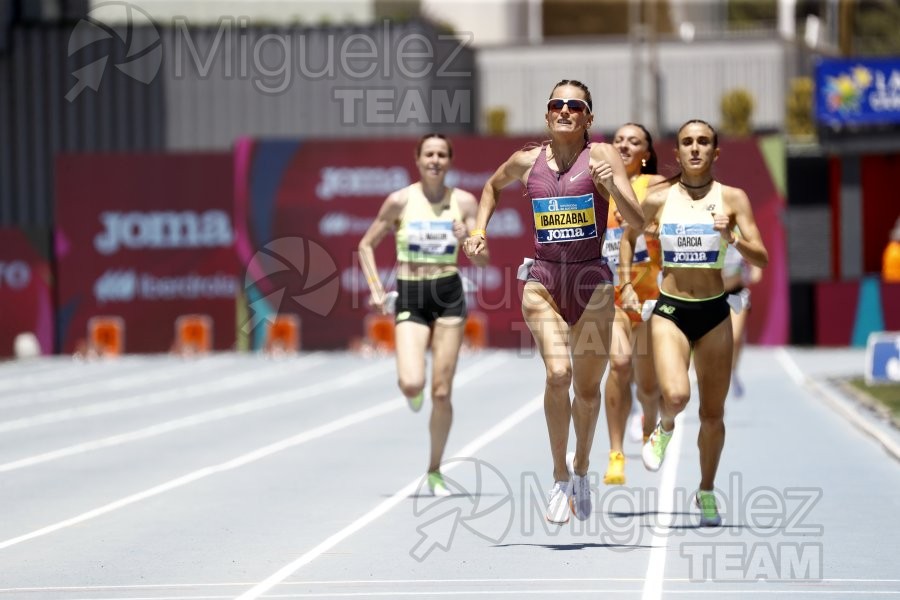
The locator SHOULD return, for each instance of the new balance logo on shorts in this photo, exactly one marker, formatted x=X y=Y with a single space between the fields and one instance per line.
x=666 y=308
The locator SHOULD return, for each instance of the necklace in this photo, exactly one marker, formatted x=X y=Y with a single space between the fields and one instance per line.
x=695 y=187
x=563 y=166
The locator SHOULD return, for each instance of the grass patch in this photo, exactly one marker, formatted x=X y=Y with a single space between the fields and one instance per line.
x=887 y=394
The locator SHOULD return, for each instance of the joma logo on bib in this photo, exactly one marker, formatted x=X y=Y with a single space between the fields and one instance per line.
x=690 y=257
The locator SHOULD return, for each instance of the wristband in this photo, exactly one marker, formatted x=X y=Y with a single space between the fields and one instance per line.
x=480 y=232
x=626 y=283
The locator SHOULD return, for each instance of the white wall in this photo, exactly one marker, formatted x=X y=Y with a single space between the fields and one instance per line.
x=693 y=79
x=491 y=22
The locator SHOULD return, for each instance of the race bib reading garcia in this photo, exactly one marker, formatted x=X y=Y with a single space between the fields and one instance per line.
x=694 y=245
x=564 y=219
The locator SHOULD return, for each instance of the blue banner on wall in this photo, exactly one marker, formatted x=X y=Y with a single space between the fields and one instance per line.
x=858 y=92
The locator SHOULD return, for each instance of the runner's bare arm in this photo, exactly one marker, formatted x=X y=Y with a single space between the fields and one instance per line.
x=514 y=169
x=608 y=170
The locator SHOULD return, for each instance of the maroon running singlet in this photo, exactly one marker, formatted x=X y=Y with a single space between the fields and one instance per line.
x=568 y=233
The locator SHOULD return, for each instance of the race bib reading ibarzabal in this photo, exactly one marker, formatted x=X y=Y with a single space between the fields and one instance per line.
x=564 y=219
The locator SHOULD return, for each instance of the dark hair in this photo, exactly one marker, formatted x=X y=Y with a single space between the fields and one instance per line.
x=652 y=166
x=579 y=85
x=583 y=88
x=428 y=136
x=674 y=178
x=715 y=139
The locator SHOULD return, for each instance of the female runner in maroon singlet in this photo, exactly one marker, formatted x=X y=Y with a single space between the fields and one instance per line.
x=567 y=257
x=568 y=299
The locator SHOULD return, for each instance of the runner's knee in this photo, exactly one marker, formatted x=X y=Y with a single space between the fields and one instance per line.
x=676 y=400
x=440 y=393
x=411 y=387
x=712 y=415
x=621 y=364
x=559 y=376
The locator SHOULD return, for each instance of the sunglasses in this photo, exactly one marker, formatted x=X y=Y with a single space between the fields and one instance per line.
x=575 y=105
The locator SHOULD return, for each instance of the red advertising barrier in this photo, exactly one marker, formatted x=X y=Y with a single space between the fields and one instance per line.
x=302 y=207
x=755 y=165
x=846 y=312
x=147 y=238
x=25 y=289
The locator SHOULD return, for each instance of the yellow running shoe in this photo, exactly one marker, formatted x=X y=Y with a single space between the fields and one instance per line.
x=615 y=471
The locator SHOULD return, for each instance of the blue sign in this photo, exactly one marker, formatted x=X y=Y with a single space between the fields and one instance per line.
x=883 y=358
x=858 y=92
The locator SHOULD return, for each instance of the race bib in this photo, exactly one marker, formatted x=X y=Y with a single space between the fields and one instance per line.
x=696 y=244
x=434 y=238
x=564 y=219
x=641 y=254
x=612 y=241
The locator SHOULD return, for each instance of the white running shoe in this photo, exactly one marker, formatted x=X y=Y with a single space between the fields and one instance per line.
x=654 y=451
x=558 y=508
x=582 y=505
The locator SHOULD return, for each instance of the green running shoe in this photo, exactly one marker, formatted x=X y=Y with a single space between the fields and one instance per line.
x=709 y=513
x=654 y=451
x=437 y=486
x=415 y=403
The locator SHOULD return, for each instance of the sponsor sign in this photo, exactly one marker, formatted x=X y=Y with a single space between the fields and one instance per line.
x=148 y=238
x=858 y=92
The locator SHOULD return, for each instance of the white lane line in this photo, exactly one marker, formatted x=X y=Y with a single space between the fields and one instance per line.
x=240 y=461
x=202 y=418
x=399 y=496
x=189 y=586
x=115 y=382
x=55 y=376
x=179 y=392
x=665 y=516
x=527 y=592
x=561 y=592
x=790 y=366
x=840 y=405
x=250 y=457
x=373 y=583
x=337 y=582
